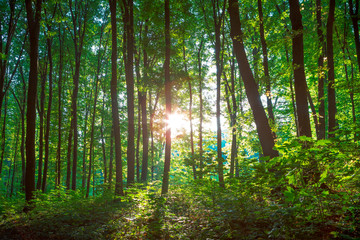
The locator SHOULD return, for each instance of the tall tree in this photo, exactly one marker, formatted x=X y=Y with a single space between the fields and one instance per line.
x=321 y=134
x=114 y=101
x=33 y=21
x=331 y=70
x=265 y=62
x=354 y=14
x=165 y=183
x=145 y=132
x=218 y=17
x=261 y=121
x=299 y=72
x=48 y=114
x=79 y=16
x=129 y=56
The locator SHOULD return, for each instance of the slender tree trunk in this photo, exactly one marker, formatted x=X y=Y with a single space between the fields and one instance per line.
x=129 y=30
x=137 y=152
x=354 y=14
x=33 y=19
x=331 y=69
x=152 y=114
x=103 y=139
x=190 y=115
x=145 y=138
x=14 y=162
x=79 y=20
x=218 y=17
x=321 y=95
x=114 y=101
x=58 y=151
x=48 y=114
x=265 y=63
x=41 y=125
x=165 y=183
x=145 y=132
x=3 y=136
x=261 y=121
x=111 y=157
x=299 y=72
x=201 y=111
x=92 y=135
x=83 y=182
x=313 y=114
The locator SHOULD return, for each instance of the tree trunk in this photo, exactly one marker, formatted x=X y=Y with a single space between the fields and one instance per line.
x=354 y=14
x=114 y=102
x=321 y=95
x=145 y=133
x=165 y=182
x=58 y=151
x=299 y=72
x=3 y=136
x=129 y=30
x=79 y=21
x=145 y=138
x=137 y=152
x=190 y=115
x=331 y=70
x=48 y=114
x=102 y=137
x=218 y=17
x=201 y=111
x=111 y=157
x=41 y=125
x=261 y=121
x=33 y=19
x=265 y=63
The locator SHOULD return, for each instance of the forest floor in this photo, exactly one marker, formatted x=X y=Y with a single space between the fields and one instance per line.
x=190 y=212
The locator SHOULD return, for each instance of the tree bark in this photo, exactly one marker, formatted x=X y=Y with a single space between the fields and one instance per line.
x=145 y=132
x=165 y=182
x=48 y=114
x=299 y=72
x=33 y=20
x=331 y=69
x=41 y=124
x=218 y=18
x=354 y=14
x=321 y=78
x=201 y=111
x=265 y=63
x=129 y=30
x=114 y=102
x=190 y=115
x=261 y=121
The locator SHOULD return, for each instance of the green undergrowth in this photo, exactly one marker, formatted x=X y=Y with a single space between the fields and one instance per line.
x=310 y=192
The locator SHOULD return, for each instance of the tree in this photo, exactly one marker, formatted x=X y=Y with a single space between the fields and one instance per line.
x=321 y=77
x=165 y=183
x=33 y=21
x=114 y=101
x=128 y=19
x=218 y=16
x=261 y=121
x=299 y=72
x=331 y=70
x=265 y=62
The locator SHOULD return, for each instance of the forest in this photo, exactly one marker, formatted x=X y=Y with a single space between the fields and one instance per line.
x=191 y=119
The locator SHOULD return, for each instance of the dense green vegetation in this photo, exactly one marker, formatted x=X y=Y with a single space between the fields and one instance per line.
x=192 y=119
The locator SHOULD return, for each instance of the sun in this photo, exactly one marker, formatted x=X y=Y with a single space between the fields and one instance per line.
x=178 y=124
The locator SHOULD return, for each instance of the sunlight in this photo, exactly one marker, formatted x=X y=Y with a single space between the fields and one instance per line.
x=178 y=124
